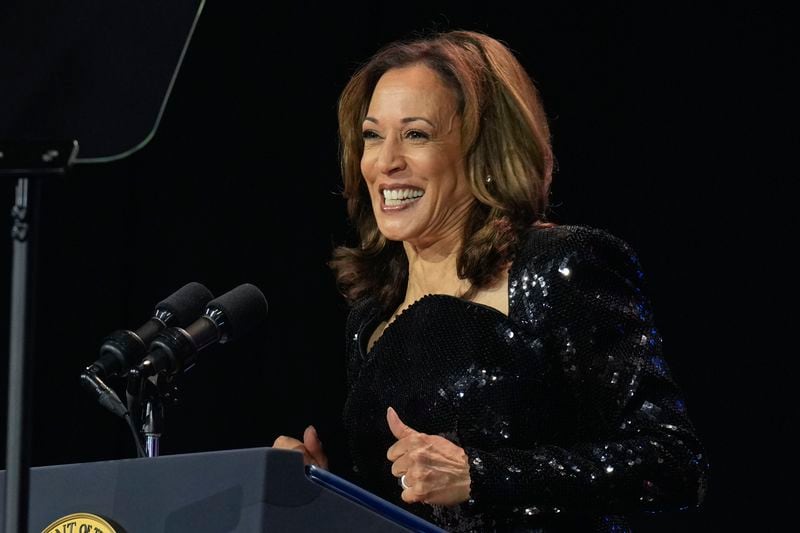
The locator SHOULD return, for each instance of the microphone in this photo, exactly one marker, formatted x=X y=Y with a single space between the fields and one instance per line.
x=124 y=348
x=226 y=318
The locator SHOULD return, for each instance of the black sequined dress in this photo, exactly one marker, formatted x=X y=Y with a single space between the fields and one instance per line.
x=566 y=407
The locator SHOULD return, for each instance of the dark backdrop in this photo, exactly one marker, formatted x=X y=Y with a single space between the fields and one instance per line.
x=668 y=125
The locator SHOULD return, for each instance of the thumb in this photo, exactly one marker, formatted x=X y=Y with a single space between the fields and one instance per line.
x=396 y=426
x=311 y=440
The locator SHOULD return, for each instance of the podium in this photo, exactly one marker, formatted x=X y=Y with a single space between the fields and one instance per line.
x=247 y=490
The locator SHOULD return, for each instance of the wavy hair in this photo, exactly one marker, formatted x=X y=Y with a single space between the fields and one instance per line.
x=507 y=154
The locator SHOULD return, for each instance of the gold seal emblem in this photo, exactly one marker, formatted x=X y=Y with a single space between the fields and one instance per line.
x=80 y=523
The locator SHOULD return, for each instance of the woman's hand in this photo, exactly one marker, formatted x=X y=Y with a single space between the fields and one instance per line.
x=311 y=447
x=436 y=470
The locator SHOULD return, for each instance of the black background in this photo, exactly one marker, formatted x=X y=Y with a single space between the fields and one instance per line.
x=670 y=127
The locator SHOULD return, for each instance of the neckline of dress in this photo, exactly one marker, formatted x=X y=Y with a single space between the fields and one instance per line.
x=366 y=352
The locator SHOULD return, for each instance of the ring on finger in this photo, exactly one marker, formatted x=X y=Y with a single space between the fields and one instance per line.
x=403 y=482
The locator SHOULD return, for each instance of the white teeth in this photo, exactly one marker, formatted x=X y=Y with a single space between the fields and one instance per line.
x=401 y=196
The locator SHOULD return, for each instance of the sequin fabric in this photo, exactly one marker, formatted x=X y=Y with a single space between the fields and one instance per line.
x=566 y=408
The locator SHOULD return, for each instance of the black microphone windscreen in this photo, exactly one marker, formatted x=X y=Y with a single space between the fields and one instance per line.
x=244 y=307
x=187 y=303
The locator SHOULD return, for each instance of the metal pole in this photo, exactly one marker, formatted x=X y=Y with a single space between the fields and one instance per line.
x=153 y=420
x=18 y=434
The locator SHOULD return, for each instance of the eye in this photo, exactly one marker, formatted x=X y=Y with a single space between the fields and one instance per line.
x=369 y=134
x=416 y=134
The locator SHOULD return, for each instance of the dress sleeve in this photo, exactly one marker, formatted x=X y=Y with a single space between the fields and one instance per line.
x=633 y=446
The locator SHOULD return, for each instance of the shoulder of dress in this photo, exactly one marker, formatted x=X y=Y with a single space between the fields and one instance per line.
x=544 y=244
x=360 y=311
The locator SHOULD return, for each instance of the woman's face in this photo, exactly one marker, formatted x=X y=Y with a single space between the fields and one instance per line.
x=413 y=162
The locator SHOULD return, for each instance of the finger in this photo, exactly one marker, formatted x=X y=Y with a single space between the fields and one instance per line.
x=311 y=440
x=401 y=466
x=396 y=426
x=410 y=495
x=405 y=482
x=404 y=446
x=287 y=443
x=314 y=446
x=294 y=445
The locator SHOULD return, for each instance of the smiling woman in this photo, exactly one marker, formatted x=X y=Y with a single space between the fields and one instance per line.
x=505 y=373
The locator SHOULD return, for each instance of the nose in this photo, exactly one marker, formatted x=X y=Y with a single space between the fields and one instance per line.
x=391 y=157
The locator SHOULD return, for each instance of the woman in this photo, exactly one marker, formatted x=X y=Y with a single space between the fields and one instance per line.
x=504 y=373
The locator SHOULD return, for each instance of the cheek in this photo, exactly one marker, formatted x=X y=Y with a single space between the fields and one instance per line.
x=369 y=179
x=366 y=169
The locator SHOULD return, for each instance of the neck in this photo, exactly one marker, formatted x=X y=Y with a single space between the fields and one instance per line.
x=432 y=269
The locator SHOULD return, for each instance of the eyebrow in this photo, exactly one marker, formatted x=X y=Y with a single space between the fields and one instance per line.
x=404 y=121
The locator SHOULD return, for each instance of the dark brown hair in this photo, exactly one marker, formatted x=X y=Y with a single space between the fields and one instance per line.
x=505 y=136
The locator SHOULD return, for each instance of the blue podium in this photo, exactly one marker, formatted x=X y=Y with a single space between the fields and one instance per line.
x=247 y=490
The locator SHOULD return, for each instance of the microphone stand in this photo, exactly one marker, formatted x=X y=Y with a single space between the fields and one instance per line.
x=152 y=424
x=153 y=394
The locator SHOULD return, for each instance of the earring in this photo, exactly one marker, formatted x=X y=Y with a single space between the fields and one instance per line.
x=488 y=178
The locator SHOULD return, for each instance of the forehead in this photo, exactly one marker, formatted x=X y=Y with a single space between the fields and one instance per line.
x=416 y=88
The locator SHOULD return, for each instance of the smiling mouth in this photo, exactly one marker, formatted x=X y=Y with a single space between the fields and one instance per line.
x=397 y=197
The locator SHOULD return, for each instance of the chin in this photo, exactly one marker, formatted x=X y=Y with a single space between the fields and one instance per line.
x=393 y=234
